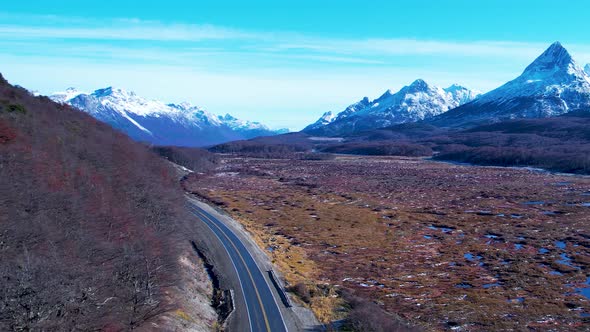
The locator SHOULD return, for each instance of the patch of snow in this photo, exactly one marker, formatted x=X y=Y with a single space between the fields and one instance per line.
x=126 y=116
x=64 y=96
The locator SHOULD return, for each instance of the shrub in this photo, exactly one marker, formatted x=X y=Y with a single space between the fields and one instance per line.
x=381 y=148
x=16 y=108
x=302 y=291
x=195 y=159
x=367 y=316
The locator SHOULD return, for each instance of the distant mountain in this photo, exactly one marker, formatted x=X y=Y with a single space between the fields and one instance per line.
x=417 y=101
x=159 y=123
x=552 y=85
x=325 y=119
x=329 y=117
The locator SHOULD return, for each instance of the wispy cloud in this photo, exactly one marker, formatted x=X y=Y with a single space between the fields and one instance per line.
x=271 y=74
x=55 y=27
x=132 y=31
x=417 y=47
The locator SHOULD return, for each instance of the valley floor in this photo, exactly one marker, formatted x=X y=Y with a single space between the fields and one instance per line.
x=442 y=246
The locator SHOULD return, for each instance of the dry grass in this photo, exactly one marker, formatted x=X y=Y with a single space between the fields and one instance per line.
x=292 y=260
x=366 y=224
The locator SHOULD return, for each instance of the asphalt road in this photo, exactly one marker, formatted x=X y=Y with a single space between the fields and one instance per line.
x=263 y=311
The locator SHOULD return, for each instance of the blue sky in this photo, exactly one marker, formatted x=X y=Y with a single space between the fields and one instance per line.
x=283 y=63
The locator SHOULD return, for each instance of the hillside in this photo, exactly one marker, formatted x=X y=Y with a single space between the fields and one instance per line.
x=559 y=144
x=93 y=232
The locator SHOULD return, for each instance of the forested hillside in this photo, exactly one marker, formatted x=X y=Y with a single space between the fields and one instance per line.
x=92 y=225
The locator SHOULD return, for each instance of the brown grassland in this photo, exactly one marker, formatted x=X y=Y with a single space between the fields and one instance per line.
x=440 y=245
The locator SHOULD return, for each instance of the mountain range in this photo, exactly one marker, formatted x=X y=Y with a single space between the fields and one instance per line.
x=417 y=101
x=159 y=123
x=553 y=84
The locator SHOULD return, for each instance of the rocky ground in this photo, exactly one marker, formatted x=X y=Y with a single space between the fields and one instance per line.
x=443 y=246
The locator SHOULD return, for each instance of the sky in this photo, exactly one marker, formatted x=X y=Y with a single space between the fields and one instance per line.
x=283 y=63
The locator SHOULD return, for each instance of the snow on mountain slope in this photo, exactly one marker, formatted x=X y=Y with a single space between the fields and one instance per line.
x=461 y=94
x=417 y=101
x=330 y=117
x=325 y=119
x=553 y=84
x=159 y=123
x=587 y=69
x=64 y=96
x=238 y=124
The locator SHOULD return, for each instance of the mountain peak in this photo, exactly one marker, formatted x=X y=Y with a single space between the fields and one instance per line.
x=103 y=92
x=419 y=85
x=455 y=87
x=106 y=90
x=555 y=58
x=553 y=84
x=556 y=45
x=184 y=106
x=111 y=91
x=66 y=95
x=228 y=117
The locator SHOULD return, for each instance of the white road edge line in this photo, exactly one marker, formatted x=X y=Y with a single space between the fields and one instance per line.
x=258 y=267
x=235 y=268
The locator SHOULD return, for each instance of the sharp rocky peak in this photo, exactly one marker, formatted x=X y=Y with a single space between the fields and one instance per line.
x=555 y=58
x=455 y=87
x=419 y=85
x=228 y=117
x=111 y=91
x=184 y=106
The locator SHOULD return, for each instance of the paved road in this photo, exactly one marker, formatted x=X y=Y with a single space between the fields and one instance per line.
x=263 y=310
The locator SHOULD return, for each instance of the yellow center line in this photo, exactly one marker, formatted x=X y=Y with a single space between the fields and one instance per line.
x=245 y=265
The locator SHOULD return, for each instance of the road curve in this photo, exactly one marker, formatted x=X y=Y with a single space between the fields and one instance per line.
x=263 y=311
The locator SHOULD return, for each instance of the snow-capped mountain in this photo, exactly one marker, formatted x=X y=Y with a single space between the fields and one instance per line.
x=158 y=123
x=587 y=69
x=551 y=85
x=417 y=101
x=62 y=97
x=330 y=117
x=241 y=125
x=325 y=119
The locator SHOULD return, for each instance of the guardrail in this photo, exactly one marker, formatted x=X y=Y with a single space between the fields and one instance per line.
x=280 y=289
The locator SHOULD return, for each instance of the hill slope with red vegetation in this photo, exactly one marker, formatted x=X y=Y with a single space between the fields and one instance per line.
x=92 y=224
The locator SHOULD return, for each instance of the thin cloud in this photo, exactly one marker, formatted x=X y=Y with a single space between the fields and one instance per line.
x=134 y=31
x=293 y=73
x=64 y=28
